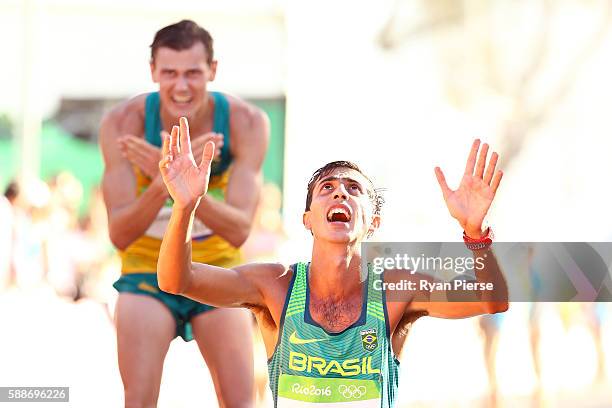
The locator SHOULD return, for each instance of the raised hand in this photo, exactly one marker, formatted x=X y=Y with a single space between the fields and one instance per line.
x=146 y=156
x=186 y=181
x=470 y=203
x=141 y=154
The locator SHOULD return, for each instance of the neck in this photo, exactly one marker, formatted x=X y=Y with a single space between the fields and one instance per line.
x=198 y=122
x=335 y=270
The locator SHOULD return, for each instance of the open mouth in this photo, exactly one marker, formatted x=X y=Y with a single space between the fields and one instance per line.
x=338 y=214
x=181 y=99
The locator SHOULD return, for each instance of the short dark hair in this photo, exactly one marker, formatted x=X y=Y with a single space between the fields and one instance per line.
x=374 y=193
x=12 y=191
x=181 y=36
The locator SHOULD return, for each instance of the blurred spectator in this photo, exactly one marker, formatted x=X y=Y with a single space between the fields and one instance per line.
x=64 y=244
x=97 y=263
x=490 y=327
x=12 y=192
x=7 y=235
x=30 y=213
x=595 y=314
x=590 y=315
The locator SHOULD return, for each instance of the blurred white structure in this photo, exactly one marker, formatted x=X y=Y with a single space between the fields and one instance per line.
x=398 y=112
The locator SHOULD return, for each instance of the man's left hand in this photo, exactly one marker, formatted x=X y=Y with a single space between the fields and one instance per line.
x=470 y=203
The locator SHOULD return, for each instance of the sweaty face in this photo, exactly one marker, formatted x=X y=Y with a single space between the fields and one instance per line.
x=341 y=210
x=182 y=77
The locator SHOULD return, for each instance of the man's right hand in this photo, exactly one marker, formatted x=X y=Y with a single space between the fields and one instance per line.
x=141 y=154
x=146 y=156
x=186 y=182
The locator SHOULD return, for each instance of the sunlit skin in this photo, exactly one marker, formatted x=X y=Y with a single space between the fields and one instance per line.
x=335 y=262
x=183 y=77
x=342 y=188
x=471 y=201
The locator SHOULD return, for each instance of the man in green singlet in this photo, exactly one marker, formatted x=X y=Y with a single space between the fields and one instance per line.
x=331 y=336
x=139 y=206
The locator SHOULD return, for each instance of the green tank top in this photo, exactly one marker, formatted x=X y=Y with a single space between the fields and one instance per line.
x=221 y=124
x=311 y=367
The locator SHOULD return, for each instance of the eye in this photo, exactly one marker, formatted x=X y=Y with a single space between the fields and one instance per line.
x=193 y=73
x=327 y=186
x=168 y=73
x=355 y=187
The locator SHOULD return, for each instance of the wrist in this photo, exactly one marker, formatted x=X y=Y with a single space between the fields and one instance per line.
x=475 y=233
x=477 y=230
x=483 y=242
x=159 y=186
x=186 y=208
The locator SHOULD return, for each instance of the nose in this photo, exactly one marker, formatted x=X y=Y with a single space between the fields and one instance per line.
x=181 y=83
x=341 y=192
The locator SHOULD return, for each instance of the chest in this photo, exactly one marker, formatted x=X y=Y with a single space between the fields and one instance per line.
x=350 y=346
x=335 y=316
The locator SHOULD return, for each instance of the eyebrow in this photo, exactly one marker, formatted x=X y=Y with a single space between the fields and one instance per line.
x=331 y=178
x=174 y=69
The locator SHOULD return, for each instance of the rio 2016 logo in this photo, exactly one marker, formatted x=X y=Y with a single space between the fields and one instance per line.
x=311 y=390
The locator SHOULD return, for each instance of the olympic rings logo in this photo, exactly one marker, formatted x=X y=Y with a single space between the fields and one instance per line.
x=352 y=391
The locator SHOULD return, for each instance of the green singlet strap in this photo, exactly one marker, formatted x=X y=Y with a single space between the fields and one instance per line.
x=297 y=301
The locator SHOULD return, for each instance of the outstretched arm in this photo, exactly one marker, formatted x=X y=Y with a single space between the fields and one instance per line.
x=469 y=205
x=213 y=285
x=187 y=183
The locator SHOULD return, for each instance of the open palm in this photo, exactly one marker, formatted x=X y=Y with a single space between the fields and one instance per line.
x=186 y=181
x=470 y=203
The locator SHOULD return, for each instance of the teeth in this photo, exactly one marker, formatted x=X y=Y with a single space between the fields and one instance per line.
x=181 y=99
x=337 y=211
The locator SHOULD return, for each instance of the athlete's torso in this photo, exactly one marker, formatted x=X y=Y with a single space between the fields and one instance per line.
x=141 y=256
x=311 y=367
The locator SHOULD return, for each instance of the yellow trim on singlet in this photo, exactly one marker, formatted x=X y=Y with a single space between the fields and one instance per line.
x=141 y=256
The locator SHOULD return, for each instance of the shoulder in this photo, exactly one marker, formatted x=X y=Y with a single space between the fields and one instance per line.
x=247 y=118
x=266 y=273
x=126 y=117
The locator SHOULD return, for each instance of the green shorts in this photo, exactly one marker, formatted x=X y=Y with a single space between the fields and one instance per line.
x=182 y=308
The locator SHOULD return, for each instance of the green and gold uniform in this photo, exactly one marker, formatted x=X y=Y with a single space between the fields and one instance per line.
x=139 y=260
x=312 y=368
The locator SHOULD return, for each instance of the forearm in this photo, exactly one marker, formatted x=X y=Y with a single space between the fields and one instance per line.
x=495 y=300
x=128 y=223
x=228 y=222
x=174 y=263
